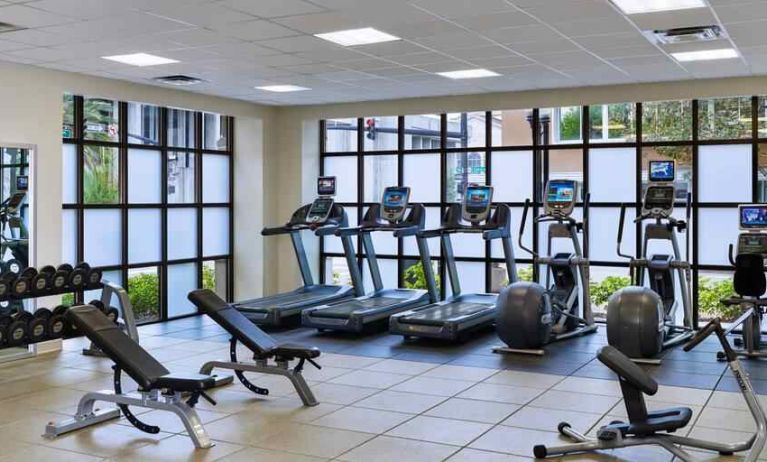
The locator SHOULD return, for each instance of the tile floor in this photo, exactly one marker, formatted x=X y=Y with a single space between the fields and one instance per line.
x=381 y=400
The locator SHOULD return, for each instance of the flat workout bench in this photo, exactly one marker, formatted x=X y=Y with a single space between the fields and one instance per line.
x=263 y=346
x=158 y=387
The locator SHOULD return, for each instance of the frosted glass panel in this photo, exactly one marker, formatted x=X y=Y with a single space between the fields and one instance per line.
x=612 y=175
x=468 y=245
x=111 y=276
x=215 y=178
x=433 y=220
x=215 y=231
x=557 y=244
x=721 y=229
x=182 y=279
x=69 y=236
x=380 y=172
x=422 y=175
x=512 y=176
x=332 y=244
x=724 y=173
x=472 y=277
x=603 y=233
x=384 y=242
x=144 y=177
x=345 y=171
x=144 y=228
x=69 y=175
x=182 y=233
x=337 y=271
x=527 y=239
x=102 y=237
x=388 y=268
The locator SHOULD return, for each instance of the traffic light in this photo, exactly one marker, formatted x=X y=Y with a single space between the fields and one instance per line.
x=370 y=128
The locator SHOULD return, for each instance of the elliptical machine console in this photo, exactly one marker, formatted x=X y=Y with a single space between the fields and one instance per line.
x=530 y=315
x=641 y=321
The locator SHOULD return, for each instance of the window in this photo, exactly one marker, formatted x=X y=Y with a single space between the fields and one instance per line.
x=129 y=184
x=422 y=131
x=612 y=123
x=341 y=135
x=380 y=133
x=724 y=118
x=667 y=121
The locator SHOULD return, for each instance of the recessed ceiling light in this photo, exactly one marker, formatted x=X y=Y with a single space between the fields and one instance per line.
x=282 y=88
x=705 y=55
x=352 y=37
x=654 y=6
x=140 y=59
x=469 y=74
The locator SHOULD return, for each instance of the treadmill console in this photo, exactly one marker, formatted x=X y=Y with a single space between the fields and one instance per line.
x=753 y=220
x=658 y=200
x=319 y=212
x=326 y=186
x=560 y=197
x=476 y=203
x=394 y=203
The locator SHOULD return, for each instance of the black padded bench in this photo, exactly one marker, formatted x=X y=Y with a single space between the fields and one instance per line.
x=261 y=344
x=158 y=387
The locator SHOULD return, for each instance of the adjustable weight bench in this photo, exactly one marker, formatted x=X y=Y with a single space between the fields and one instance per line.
x=158 y=388
x=263 y=346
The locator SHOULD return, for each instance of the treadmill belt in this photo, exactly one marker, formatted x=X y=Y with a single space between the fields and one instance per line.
x=437 y=315
x=344 y=310
x=286 y=299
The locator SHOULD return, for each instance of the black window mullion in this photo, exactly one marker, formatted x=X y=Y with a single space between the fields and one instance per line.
x=400 y=181
x=230 y=262
x=488 y=180
x=695 y=212
x=198 y=179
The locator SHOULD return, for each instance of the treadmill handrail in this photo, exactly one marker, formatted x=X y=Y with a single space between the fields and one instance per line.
x=408 y=231
x=326 y=229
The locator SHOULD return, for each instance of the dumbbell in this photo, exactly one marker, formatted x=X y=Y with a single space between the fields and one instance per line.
x=5 y=321
x=60 y=277
x=93 y=275
x=6 y=283
x=57 y=322
x=18 y=329
x=110 y=312
x=23 y=282
x=78 y=277
x=12 y=266
x=38 y=326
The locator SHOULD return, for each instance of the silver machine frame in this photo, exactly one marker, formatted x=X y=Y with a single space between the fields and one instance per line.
x=128 y=323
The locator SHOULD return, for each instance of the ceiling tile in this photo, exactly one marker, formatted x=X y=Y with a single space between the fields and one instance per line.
x=256 y=30
x=607 y=42
x=741 y=11
x=462 y=8
x=320 y=22
x=83 y=9
x=22 y=15
x=554 y=44
x=672 y=19
x=748 y=34
x=271 y=8
x=482 y=22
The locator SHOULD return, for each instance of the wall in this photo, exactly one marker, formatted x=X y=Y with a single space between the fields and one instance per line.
x=297 y=161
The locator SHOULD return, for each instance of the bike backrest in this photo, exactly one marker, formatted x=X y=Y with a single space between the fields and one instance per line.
x=749 y=279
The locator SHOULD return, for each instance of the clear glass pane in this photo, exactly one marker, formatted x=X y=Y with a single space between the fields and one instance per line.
x=761 y=111
x=567 y=164
x=181 y=129
x=612 y=175
x=512 y=176
x=512 y=128
x=761 y=177
x=721 y=230
x=101 y=175
x=472 y=277
x=724 y=118
x=724 y=165
x=561 y=125
x=380 y=172
x=603 y=233
x=215 y=231
x=380 y=133
x=101 y=119
x=413 y=276
x=337 y=272
x=681 y=155
x=143 y=124
x=182 y=279
x=181 y=179
x=103 y=237
x=332 y=244
x=388 y=268
x=144 y=292
x=144 y=235
x=69 y=174
x=68 y=116
x=466 y=130
x=144 y=176
x=527 y=238
x=215 y=178
x=423 y=187
x=345 y=170
x=215 y=131
x=422 y=131
x=667 y=120
x=463 y=169
x=214 y=276
x=605 y=281
x=340 y=135
x=182 y=233
x=499 y=277
x=433 y=221
x=713 y=286
x=612 y=122
x=69 y=236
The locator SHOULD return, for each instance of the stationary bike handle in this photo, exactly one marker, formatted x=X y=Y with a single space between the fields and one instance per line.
x=714 y=326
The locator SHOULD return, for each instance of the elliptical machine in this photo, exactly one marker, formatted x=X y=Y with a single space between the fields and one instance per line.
x=641 y=321
x=530 y=315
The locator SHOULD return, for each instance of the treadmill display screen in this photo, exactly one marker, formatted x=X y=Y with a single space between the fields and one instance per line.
x=561 y=193
x=659 y=197
x=394 y=202
x=326 y=186
x=320 y=210
x=662 y=170
x=753 y=216
x=478 y=199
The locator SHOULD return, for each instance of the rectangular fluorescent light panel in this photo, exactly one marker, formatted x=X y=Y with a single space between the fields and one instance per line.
x=469 y=74
x=654 y=6
x=282 y=88
x=352 y=37
x=140 y=59
x=705 y=55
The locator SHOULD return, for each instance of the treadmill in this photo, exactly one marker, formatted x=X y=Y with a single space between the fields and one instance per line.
x=323 y=217
x=462 y=313
x=393 y=214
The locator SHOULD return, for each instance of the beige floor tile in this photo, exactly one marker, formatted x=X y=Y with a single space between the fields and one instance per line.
x=242 y=427
x=571 y=401
x=525 y=379
x=31 y=428
x=437 y=430
x=106 y=440
x=347 y=361
x=727 y=419
x=432 y=386
x=469 y=374
x=694 y=396
x=728 y=400
x=341 y=394
x=396 y=366
x=517 y=441
x=277 y=385
x=230 y=400
x=370 y=379
x=267 y=455
x=35 y=453
x=501 y=393
x=723 y=436
x=68 y=376
x=397 y=401
x=53 y=399
x=310 y=440
x=389 y=449
x=292 y=409
x=16 y=388
x=324 y=374
x=169 y=422
x=548 y=419
x=475 y=455
x=590 y=386
x=362 y=420
x=179 y=448
x=474 y=410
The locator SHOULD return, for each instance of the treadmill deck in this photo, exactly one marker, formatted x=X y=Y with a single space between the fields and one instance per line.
x=439 y=314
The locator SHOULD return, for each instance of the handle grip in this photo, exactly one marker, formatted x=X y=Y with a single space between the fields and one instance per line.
x=621 y=223
x=732 y=260
x=712 y=327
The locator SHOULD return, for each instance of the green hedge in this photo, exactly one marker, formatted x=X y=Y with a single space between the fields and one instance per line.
x=415 y=277
x=601 y=291
x=710 y=294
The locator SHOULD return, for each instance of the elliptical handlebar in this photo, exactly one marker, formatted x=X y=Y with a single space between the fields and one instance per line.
x=713 y=327
x=730 y=255
x=621 y=224
x=522 y=224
